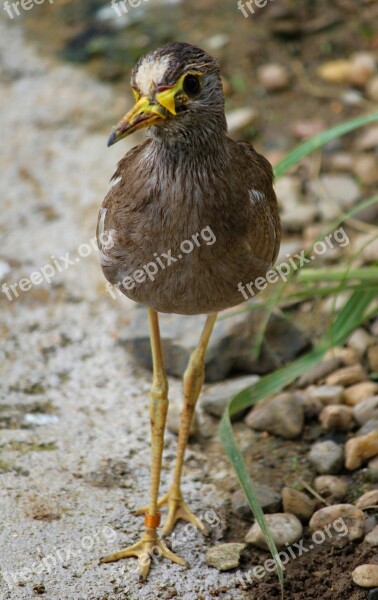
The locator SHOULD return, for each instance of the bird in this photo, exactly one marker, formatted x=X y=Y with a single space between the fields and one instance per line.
x=187 y=179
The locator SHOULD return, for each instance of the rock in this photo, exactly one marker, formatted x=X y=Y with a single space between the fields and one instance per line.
x=229 y=348
x=224 y=556
x=347 y=375
x=340 y=161
x=368 y=139
x=366 y=246
x=326 y=457
x=366 y=576
x=273 y=77
x=359 y=449
x=321 y=370
x=365 y=167
x=240 y=118
x=173 y=419
x=283 y=416
x=295 y=214
x=360 y=340
x=373 y=594
x=366 y=410
x=214 y=398
x=305 y=130
x=285 y=529
x=327 y=394
x=341 y=188
x=368 y=499
x=329 y=485
x=334 y=71
x=351 y=518
x=337 y=418
x=372 y=468
x=368 y=427
x=361 y=68
x=372 y=354
x=372 y=537
x=372 y=89
x=347 y=356
x=359 y=392
x=298 y=504
x=269 y=499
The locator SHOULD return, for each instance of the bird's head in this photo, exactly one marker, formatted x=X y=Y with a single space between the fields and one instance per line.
x=178 y=90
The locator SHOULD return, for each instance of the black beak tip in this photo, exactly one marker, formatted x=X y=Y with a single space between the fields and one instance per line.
x=112 y=138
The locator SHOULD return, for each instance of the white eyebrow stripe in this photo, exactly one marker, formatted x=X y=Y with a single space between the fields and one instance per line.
x=115 y=182
x=150 y=73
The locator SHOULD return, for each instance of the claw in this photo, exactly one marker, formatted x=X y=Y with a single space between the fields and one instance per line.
x=150 y=546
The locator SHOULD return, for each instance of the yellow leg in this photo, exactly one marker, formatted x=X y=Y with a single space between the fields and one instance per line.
x=193 y=381
x=150 y=544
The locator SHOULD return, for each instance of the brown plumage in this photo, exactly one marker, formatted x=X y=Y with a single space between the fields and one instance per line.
x=168 y=189
x=190 y=215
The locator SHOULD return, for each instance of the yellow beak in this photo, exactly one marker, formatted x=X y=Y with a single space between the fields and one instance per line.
x=143 y=114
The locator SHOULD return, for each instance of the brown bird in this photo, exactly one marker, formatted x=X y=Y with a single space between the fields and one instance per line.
x=190 y=216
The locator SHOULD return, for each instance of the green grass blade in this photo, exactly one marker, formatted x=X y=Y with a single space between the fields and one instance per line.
x=350 y=317
x=320 y=140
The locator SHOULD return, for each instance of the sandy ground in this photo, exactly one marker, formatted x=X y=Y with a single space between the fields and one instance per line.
x=74 y=437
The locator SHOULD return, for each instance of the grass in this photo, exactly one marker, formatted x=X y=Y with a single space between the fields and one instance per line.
x=362 y=286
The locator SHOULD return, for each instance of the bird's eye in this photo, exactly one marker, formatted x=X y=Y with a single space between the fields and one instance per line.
x=191 y=85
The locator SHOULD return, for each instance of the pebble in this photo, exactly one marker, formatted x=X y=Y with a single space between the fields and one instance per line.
x=360 y=340
x=359 y=449
x=359 y=392
x=305 y=130
x=361 y=68
x=367 y=499
x=366 y=576
x=373 y=594
x=365 y=167
x=327 y=394
x=337 y=418
x=329 y=485
x=340 y=161
x=298 y=504
x=173 y=419
x=240 y=118
x=366 y=410
x=372 y=354
x=368 y=139
x=372 y=89
x=372 y=469
x=269 y=499
x=224 y=556
x=334 y=71
x=273 y=77
x=342 y=188
x=347 y=375
x=372 y=537
x=347 y=356
x=326 y=457
x=283 y=416
x=352 y=520
x=215 y=398
x=367 y=247
x=321 y=370
x=368 y=427
x=284 y=527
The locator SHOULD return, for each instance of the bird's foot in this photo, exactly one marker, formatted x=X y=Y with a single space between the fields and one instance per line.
x=177 y=509
x=150 y=547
